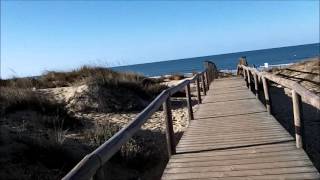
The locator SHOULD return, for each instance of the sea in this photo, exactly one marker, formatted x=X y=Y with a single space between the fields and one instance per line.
x=273 y=56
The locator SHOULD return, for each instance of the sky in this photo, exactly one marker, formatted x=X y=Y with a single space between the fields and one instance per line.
x=61 y=35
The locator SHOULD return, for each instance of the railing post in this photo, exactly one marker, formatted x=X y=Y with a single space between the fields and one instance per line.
x=213 y=75
x=249 y=79
x=198 y=89
x=203 y=84
x=245 y=76
x=211 y=72
x=207 y=68
x=255 y=76
x=296 y=102
x=99 y=174
x=207 y=79
x=169 y=127
x=189 y=102
x=266 y=94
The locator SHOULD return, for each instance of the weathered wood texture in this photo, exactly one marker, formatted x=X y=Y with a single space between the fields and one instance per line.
x=169 y=127
x=189 y=103
x=234 y=137
x=307 y=96
x=296 y=102
x=203 y=84
x=198 y=90
x=92 y=164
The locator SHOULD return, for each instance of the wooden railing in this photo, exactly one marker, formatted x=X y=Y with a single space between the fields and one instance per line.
x=91 y=166
x=253 y=77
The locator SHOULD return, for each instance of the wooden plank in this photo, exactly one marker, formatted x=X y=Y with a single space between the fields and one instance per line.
x=260 y=172
x=238 y=151
x=235 y=144
x=239 y=167
x=241 y=156
x=253 y=149
x=234 y=138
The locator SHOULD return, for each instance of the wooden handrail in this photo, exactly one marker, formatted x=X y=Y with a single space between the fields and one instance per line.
x=92 y=164
x=299 y=93
x=308 y=96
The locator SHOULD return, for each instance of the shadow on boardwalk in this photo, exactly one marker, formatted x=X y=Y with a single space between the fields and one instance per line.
x=282 y=110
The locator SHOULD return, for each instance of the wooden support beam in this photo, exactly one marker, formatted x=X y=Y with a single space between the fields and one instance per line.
x=198 y=90
x=245 y=76
x=169 y=127
x=211 y=73
x=255 y=76
x=296 y=102
x=189 y=102
x=308 y=96
x=207 y=67
x=203 y=85
x=207 y=80
x=249 y=79
x=266 y=94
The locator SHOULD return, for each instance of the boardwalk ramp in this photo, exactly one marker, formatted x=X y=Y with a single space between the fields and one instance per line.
x=234 y=137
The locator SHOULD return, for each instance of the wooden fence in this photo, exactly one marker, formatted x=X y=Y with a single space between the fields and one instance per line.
x=253 y=77
x=91 y=166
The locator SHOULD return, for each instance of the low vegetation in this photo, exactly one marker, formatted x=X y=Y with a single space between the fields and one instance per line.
x=144 y=151
x=42 y=138
x=306 y=73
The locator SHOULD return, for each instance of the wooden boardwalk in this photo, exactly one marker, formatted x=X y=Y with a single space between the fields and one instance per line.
x=234 y=137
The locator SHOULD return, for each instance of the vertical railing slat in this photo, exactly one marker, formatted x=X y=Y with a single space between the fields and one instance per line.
x=203 y=85
x=266 y=94
x=169 y=127
x=255 y=76
x=189 y=102
x=198 y=90
x=249 y=79
x=296 y=103
x=207 y=80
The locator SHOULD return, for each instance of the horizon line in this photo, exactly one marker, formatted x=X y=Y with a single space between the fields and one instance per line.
x=215 y=54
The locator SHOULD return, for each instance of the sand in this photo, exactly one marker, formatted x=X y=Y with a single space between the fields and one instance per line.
x=154 y=123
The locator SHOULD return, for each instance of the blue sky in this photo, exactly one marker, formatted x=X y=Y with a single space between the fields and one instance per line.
x=62 y=35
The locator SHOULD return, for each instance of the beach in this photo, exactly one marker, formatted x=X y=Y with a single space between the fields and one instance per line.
x=83 y=122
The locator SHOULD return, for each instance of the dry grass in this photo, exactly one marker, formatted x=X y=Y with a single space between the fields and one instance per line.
x=141 y=89
x=13 y=100
x=85 y=74
x=34 y=129
x=140 y=148
x=35 y=135
x=306 y=73
x=142 y=153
